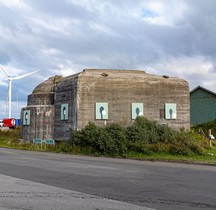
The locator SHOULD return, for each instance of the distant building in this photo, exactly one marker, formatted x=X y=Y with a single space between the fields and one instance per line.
x=202 y=105
x=103 y=96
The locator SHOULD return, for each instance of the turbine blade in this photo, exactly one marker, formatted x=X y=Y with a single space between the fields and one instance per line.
x=4 y=71
x=24 y=75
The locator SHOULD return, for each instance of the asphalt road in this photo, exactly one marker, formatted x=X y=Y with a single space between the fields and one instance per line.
x=39 y=180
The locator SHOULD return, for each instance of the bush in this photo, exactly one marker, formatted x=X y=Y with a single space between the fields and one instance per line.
x=104 y=143
x=179 y=149
x=89 y=135
x=166 y=134
x=108 y=141
x=205 y=128
x=144 y=131
x=76 y=138
x=143 y=136
x=118 y=136
x=186 y=143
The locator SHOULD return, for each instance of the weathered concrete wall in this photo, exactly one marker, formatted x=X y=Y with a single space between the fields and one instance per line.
x=42 y=113
x=66 y=93
x=42 y=122
x=122 y=88
x=41 y=99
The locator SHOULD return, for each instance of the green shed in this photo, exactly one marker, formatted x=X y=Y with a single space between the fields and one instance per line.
x=202 y=105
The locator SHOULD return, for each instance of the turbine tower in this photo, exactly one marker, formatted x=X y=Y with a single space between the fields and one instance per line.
x=10 y=86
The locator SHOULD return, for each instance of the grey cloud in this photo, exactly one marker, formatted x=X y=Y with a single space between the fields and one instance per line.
x=202 y=18
x=59 y=9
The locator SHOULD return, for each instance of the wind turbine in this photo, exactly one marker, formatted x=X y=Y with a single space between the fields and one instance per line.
x=10 y=85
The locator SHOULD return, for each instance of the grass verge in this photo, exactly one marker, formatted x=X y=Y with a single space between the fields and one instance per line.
x=10 y=139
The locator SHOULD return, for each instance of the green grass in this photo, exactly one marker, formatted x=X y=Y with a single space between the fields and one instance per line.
x=9 y=138
x=209 y=158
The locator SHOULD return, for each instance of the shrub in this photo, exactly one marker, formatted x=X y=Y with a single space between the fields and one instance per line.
x=89 y=134
x=166 y=134
x=145 y=131
x=104 y=143
x=159 y=148
x=179 y=149
x=142 y=130
x=118 y=136
x=108 y=141
x=85 y=137
x=189 y=141
x=76 y=138
x=204 y=127
x=143 y=136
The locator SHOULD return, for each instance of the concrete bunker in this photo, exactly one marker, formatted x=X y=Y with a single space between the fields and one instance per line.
x=103 y=96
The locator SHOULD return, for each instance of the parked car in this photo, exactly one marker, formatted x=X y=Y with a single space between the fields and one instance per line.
x=1 y=123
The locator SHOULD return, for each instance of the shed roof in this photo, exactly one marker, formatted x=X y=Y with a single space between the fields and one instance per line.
x=202 y=88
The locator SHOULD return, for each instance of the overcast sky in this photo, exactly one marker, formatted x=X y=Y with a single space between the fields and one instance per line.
x=62 y=37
